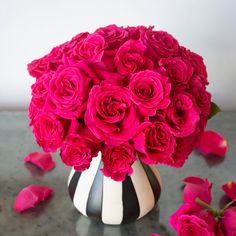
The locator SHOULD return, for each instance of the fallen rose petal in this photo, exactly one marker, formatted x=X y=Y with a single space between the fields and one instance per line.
x=212 y=143
x=230 y=189
x=42 y=160
x=155 y=235
x=196 y=187
x=30 y=196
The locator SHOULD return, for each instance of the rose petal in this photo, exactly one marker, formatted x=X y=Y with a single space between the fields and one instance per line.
x=197 y=188
x=155 y=235
x=212 y=143
x=230 y=189
x=42 y=160
x=30 y=196
x=228 y=221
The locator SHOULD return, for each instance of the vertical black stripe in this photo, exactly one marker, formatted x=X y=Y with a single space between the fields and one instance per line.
x=94 y=203
x=73 y=184
x=131 y=207
x=154 y=182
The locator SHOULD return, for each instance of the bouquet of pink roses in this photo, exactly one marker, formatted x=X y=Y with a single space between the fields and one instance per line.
x=128 y=92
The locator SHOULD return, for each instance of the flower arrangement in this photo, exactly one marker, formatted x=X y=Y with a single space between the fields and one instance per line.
x=128 y=92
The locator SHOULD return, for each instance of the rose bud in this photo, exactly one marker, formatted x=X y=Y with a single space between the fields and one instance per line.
x=196 y=187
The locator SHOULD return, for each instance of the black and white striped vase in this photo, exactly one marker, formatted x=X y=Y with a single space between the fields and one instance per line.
x=111 y=202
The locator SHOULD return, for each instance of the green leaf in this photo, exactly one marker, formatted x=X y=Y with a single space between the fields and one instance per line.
x=214 y=110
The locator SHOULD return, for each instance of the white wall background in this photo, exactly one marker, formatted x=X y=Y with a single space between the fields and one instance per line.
x=30 y=28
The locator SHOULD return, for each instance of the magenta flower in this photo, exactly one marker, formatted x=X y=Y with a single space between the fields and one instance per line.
x=196 y=187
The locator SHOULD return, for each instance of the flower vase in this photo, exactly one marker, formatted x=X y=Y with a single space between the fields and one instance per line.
x=111 y=202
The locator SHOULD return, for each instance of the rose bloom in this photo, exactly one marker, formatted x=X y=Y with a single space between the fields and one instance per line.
x=201 y=96
x=182 y=115
x=150 y=91
x=184 y=147
x=130 y=57
x=155 y=142
x=68 y=90
x=137 y=32
x=33 y=112
x=49 y=62
x=179 y=71
x=190 y=219
x=160 y=44
x=90 y=48
x=192 y=225
x=197 y=63
x=114 y=36
x=117 y=161
x=40 y=90
x=110 y=114
x=49 y=131
x=75 y=152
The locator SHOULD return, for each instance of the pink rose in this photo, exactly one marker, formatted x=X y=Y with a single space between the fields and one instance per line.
x=184 y=147
x=130 y=57
x=150 y=91
x=79 y=147
x=202 y=97
x=75 y=152
x=118 y=161
x=190 y=217
x=155 y=142
x=40 y=90
x=179 y=71
x=182 y=115
x=110 y=114
x=137 y=32
x=70 y=45
x=68 y=90
x=90 y=48
x=230 y=189
x=197 y=63
x=68 y=48
x=160 y=44
x=37 y=67
x=49 y=131
x=196 y=187
x=114 y=36
x=192 y=225
x=228 y=221
x=33 y=112
x=47 y=63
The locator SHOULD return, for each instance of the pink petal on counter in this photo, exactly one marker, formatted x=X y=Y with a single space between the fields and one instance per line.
x=230 y=189
x=30 y=196
x=212 y=143
x=42 y=160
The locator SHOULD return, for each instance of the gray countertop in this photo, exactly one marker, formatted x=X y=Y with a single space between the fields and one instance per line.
x=56 y=216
